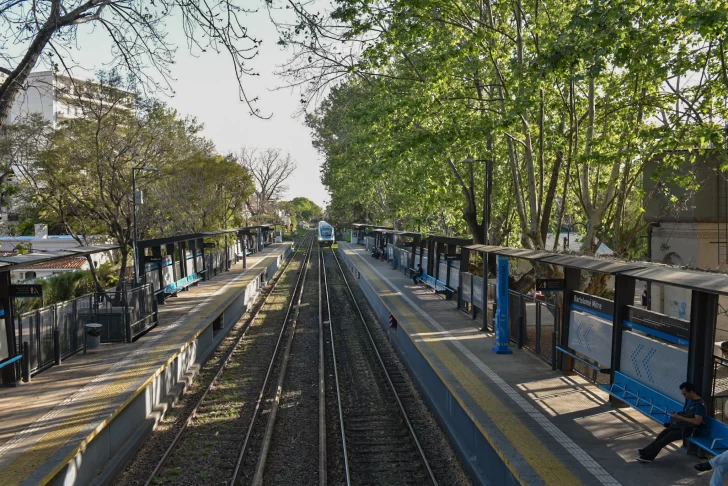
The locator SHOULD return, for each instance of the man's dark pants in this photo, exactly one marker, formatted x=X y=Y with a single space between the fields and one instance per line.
x=670 y=434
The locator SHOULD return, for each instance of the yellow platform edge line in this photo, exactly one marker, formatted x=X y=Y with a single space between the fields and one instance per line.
x=567 y=478
x=82 y=445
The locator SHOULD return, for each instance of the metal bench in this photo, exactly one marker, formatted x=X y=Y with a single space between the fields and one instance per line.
x=650 y=402
x=181 y=284
x=712 y=436
x=438 y=286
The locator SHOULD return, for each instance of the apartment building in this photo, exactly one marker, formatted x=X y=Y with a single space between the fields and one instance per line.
x=58 y=97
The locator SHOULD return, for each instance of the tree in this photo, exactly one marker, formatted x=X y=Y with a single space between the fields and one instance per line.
x=215 y=200
x=83 y=178
x=271 y=169
x=302 y=209
x=137 y=31
x=19 y=146
x=570 y=101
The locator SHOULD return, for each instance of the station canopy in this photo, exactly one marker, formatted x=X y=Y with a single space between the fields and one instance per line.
x=716 y=283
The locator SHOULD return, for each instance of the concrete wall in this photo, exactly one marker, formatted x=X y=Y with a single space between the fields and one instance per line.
x=693 y=245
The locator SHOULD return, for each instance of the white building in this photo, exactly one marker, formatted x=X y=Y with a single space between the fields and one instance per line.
x=574 y=242
x=58 y=97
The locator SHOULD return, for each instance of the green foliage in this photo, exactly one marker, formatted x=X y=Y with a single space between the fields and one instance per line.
x=302 y=209
x=81 y=178
x=571 y=101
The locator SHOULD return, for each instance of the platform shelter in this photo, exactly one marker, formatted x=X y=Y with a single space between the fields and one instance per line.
x=172 y=264
x=637 y=355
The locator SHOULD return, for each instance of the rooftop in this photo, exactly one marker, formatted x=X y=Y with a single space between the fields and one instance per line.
x=68 y=263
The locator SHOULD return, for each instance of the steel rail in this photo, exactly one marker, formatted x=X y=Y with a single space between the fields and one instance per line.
x=273 y=414
x=336 y=378
x=241 y=455
x=386 y=373
x=323 y=479
x=225 y=361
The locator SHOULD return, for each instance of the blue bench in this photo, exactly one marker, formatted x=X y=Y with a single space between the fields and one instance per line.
x=181 y=284
x=438 y=286
x=642 y=398
x=11 y=360
x=712 y=436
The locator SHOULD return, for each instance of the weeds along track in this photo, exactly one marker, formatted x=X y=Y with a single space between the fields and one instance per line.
x=209 y=441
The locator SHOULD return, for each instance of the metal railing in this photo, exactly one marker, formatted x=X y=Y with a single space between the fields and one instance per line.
x=720 y=389
x=533 y=323
x=57 y=331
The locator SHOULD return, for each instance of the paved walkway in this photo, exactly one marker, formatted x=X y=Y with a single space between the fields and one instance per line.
x=46 y=422
x=547 y=427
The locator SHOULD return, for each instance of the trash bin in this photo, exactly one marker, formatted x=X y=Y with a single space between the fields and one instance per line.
x=93 y=336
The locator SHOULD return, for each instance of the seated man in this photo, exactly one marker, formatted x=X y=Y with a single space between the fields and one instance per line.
x=720 y=466
x=681 y=425
x=417 y=275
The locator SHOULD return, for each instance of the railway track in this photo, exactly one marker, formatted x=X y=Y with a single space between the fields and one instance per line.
x=285 y=438
x=379 y=442
x=308 y=394
x=213 y=439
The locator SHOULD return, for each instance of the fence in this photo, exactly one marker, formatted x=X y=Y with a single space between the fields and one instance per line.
x=216 y=260
x=533 y=323
x=57 y=331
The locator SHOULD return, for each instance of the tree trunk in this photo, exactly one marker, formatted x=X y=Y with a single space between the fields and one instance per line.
x=122 y=271
x=92 y=269
x=17 y=78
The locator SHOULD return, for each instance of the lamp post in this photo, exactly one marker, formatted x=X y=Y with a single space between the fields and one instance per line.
x=134 y=170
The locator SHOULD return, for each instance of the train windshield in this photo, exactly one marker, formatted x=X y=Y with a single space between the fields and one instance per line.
x=326 y=231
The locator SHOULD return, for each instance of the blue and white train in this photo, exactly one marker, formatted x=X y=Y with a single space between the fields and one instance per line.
x=326 y=235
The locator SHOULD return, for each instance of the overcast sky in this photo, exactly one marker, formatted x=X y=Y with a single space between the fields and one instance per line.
x=207 y=89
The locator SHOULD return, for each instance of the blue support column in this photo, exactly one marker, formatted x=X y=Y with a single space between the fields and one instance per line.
x=501 y=315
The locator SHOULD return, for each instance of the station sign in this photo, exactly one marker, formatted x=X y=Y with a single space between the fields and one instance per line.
x=550 y=284
x=593 y=303
x=22 y=291
x=209 y=245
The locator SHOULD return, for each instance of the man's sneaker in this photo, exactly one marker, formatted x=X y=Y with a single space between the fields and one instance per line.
x=703 y=466
x=639 y=451
x=643 y=459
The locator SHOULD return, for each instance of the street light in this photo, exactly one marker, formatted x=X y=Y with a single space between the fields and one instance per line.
x=136 y=197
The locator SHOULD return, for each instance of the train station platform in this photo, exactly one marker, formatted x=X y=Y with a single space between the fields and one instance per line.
x=79 y=422
x=514 y=420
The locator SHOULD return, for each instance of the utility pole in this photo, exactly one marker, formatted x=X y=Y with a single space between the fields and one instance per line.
x=486 y=226
x=134 y=201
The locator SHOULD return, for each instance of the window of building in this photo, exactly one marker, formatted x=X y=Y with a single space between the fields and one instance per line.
x=29 y=275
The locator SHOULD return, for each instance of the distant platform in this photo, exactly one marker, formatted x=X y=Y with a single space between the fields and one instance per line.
x=73 y=422
x=514 y=420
